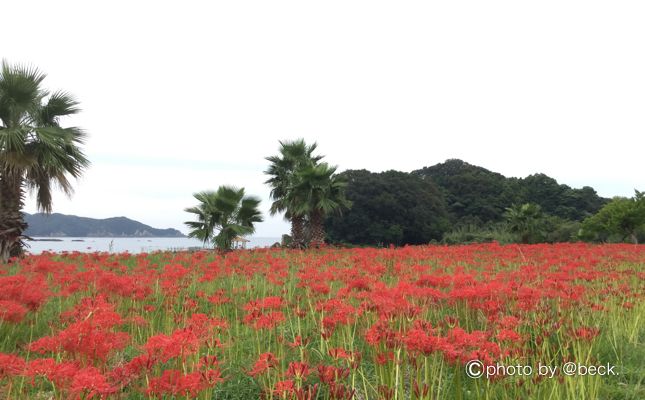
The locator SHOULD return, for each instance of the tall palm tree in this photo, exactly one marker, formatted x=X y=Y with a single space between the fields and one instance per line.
x=294 y=155
x=320 y=193
x=228 y=211
x=36 y=152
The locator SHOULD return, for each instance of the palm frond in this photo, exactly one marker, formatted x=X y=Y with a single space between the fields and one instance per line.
x=226 y=210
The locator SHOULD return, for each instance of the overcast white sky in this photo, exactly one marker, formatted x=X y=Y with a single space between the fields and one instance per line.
x=179 y=97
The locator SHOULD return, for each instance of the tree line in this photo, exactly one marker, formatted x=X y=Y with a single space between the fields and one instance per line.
x=456 y=202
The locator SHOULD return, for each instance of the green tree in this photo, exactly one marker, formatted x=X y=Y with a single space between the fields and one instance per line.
x=227 y=211
x=389 y=208
x=320 y=193
x=477 y=196
x=36 y=152
x=294 y=156
x=622 y=217
x=474 y=195
x=527 y=221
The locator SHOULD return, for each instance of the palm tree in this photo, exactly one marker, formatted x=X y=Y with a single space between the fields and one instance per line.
x=294 y=155
x=525 y=220
x=226 y=210
x=320 y=192
x=36 y=152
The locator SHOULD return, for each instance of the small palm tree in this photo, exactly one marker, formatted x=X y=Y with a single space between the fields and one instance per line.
x=525 y=220
x=320 y=192
x=36 y=152
x=228 y=211
x=294 y=155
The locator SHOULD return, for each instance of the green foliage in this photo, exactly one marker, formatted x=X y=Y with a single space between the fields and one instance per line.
x=294 y=155
x=559 y=200
x=471 y=233
x=527 y=221
x=228 y=211
x=285 y=241
x=31 y=138
x=475 y=195
x=620 y=220
x=389 y=208
x=559 y=230
x=322 y=193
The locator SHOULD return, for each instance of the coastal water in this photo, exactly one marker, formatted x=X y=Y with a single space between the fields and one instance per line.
x=131 y=245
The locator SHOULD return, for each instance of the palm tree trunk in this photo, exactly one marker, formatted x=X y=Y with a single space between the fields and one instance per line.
x=297 y=232
x=317 y=229
x=12 y=223
x=633 y=238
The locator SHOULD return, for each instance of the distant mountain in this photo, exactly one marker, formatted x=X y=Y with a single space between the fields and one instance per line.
x=54 y=225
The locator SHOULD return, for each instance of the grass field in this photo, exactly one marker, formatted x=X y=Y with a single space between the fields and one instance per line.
x=544 y=322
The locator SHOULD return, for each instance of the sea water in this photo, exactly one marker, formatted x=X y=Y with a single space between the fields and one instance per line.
x=131 y=245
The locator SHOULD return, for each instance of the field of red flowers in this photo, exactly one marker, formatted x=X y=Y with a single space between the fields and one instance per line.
x=398 y=323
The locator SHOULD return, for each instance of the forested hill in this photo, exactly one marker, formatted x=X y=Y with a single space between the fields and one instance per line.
x=61 y=225
x=476 y=195
x=424 y=205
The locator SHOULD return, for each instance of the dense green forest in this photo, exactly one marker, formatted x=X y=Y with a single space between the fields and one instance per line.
x=456 y=202
x=389 y=208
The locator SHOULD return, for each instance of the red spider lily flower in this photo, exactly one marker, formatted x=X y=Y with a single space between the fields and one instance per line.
x=265 y=362
x=211 y=377
x=219 y=298
x=508 y=335
x=272 y=302
x=173 y=382
x=203 y=326
x=11 y=365
x=337 y=353
x=380 y=332
x=329 y=374
x=298 y=370
x=139 y=321
x=586 y=333
x=89 y=382
x=208 y=361
x=181 y=343
x=423 y=342
x=284 y=388
x=61 y=374
x=384 y=358
x=91 y=335
x=11 y=311
x=509 y=322
x=259 y=320
x=298 y=342
x=31 y=292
